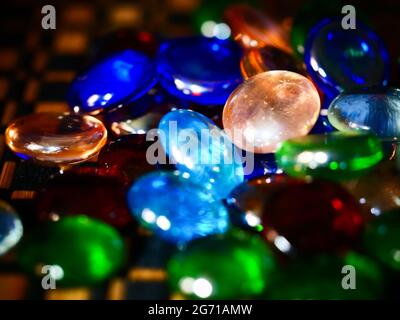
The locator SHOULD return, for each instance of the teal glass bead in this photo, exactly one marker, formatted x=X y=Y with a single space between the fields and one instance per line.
x=236 y=265
x=174 y=208
x=201 y=149
x=370 y=110
x=11 y=229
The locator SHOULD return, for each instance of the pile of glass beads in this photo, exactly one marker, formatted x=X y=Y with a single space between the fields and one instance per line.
x=268 y=163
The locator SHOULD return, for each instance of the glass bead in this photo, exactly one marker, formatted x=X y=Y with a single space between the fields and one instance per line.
x=255 y=61
x=269 y=108
x=369 y=110
x=202 y=150
x=339 y=59
x=299 y=216
x=55 y=138
x=11 y=228
x=382 y=239
x=320 y=278
x=82 y=251
x=199 y=69
x=253 y=28
x=84 y=191
x=378 y=191
x=174 y=208
x=332 y=157
x=240 y=267
x=117 y=79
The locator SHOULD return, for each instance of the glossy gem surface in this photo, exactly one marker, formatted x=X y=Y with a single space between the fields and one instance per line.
x=87 y=191
x=84 y=251
x=11 y=229
x=376 y=111
x=232 y=266
x=174 y=208
x=199 y=69
x=382 y=239
x=332 y=157
x=320 y=278
x=379 y=190
x=269 y=108
x=127 y=75
x=201 y=149
x=253 y=28
x=56 y=138
x=255 y=61
x=300 y=216
x=339 y=59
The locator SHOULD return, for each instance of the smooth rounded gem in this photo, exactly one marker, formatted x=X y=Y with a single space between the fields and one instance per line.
x=339 y=59
x=11 y=229
x=232 y=266
x=269 y=108
x=268 y=58
x=55 y=138
x=174 y=208
x=329 y=156
x=382 y=239
x=199 y=69
x=87 y=191
x=378 y=191
x=300 y=216
x=321 y=278
x=76 y=250
x=125 y=76
x=252 y=28
x=202 y=150
x=126 y=157
x=367 y=110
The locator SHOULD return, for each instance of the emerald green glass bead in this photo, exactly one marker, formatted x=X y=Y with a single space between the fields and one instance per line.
x=231 y=266
x=382 y=239
x=321 y=278
x=84 y=250
x=334 y=156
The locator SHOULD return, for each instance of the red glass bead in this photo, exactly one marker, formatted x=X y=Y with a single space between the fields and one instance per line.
x=85 y=191
x=303 y=216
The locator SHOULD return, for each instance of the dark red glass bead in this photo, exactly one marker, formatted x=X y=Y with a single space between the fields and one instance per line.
x=97 y=193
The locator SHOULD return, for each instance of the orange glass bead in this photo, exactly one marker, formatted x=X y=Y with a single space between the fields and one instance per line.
x=252 y=28
x=258 y=60
x=56 y=139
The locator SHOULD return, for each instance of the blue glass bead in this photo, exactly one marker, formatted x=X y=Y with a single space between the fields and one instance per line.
x=370 y=110
x=199 y=69
x=174 y=208
x=118 y=79
x=10 y=227
x=202 y=150
x=264 y=165
x=322 y=126
x=339 y=59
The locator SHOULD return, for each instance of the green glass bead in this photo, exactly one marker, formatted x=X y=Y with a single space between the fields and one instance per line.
x=84 y=251
x=321 y=278
x=382 y=239
x=231 y=266
x=334 y=156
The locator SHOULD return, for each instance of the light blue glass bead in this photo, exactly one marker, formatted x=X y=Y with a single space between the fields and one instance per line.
x=376 y=111
x=10 y=227
x=202 y=150
x=174 y=208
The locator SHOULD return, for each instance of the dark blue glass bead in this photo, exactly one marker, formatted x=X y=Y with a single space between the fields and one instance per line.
x=199 y=69
x=322 y=126
x=263 y=165
x=174 y=208
x=119 y=79
x=10 y=227
x=201 y=150
x=339 y=59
